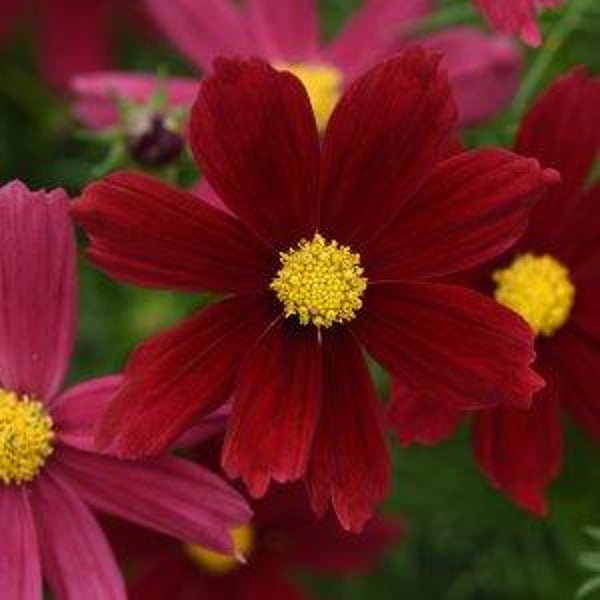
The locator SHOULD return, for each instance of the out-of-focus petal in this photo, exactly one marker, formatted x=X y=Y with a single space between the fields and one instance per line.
x=168 y=494
x=20 y=573
x=349 y=466
x=77 y=560
x=384 y=138
x=202 y=30
x=278 y=390
x=38 y=291
x=253 y=133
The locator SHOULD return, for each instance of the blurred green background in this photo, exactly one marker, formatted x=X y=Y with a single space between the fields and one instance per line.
x=464 y=541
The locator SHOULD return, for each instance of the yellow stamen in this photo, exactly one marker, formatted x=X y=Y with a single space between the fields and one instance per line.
x=539 y=289
x=323 y=83
x=25 y=438
x=321 y=282
x=216 y=563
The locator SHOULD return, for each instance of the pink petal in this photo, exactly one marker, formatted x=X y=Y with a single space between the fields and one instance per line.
x=214 y=423
x=483 y=70
x=76 y=557
x=77 y=412
x=9 y=13
x=285 y=30
x=20 y=574
x=373 y=31
x=202 y=30
x=37 y=295
x=97 y=94
x=168 y=494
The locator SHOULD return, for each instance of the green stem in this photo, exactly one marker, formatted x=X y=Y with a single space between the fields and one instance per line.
x=554 y=42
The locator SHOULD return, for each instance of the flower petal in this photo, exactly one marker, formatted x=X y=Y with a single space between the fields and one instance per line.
x=521 y=451
x=350 y=465
x=474 y=206
x=419 y=418
x=373 y=31
x=181 y=375
x=285 y=31
x=202 y=30
x=449 y=343
x=148 y=233
x=97 y=95
x=278 y=390
x=77 y=412
x=76 y=557
x=570 y=145
x=20 y=573
x=384 y=138
x=483 y=70
x=38 y=291
x=170 y=495
x=253 y=132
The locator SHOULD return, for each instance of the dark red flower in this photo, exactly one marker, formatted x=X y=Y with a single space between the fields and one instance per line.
x=344 y=240
x=284 y=536
x=552 y=278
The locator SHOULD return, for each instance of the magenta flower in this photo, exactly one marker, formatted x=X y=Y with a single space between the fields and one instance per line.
x=51 y=477
x=483 y=69
x=516 y=16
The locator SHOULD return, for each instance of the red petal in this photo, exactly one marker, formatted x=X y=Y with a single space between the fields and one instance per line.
x=350 y=464
x=562 y=131
x=383 y=139
x=254 y=134
x=276 y=406
x=521 y=450
x=419 y=418
x=181 y=375
x=449 y=343
x=148 y=233
x=473 y=207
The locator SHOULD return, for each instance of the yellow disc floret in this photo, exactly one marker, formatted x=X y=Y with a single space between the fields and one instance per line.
x=539 y=289
x=25 y=438
x=323 y=85
x=321 y=282
x=220 y=564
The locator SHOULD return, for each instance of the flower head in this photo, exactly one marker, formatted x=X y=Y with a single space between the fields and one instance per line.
x=550 y=279
x=342 y=238
x=51 y=476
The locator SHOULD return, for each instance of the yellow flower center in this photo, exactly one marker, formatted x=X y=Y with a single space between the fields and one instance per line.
x=539 y=289
x=323 y=85
x=25 y=438
x=321 y=282
x=216 y=563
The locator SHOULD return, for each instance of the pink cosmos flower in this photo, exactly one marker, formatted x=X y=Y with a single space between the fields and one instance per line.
x=73 y=36
x=483 y=69
x=50 y=475
x=516 y=16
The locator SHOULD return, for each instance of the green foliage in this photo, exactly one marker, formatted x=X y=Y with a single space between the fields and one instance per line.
x=463 y=540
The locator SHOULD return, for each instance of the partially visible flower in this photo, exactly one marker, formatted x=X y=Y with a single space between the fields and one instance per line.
x=516 y=17
x=51 y=476
x=282 y=536
x=483 y=69
x=73 y=36
x=328 y=250
x=552 y=279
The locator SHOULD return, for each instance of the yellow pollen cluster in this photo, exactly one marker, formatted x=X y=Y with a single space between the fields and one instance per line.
x=216 y=563
x=539 y=289
x=25 y=438
x=321 y=282
x=323 y=85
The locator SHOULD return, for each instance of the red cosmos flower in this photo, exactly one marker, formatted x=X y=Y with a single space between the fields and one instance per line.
x=329 y=250
x=516 y=16
x=283 y=536
x=552 y=278
x=51 y=476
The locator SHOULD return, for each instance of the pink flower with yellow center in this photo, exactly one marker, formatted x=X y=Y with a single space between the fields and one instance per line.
x=51 y=476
